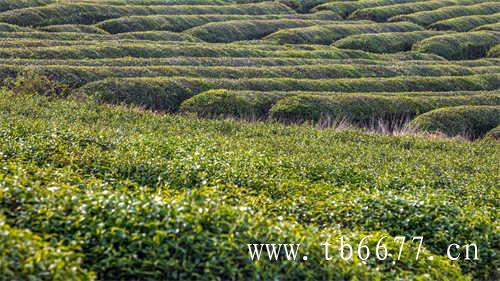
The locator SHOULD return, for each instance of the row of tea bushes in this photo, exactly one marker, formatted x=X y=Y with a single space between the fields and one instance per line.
x=150 y=50
x=88 y=162
x=466 y=23
x=427 y=18
x=240 y=62
x=76 y=76
x=180 y=23
x=94 y=13
x=166 y=94
x=6 y=5
x=359 y=109
x=469 y=121
x=384 y=13
x=345 y=8
x=494 y=133
x=327 y=34
x=494 y=52
x=391 y=42
x=492 y=27
x=74 y=28
x=239 y=30
x=5 y=27
x=458 y=46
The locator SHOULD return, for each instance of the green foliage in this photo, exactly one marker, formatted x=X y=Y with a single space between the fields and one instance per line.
x=5 y=27
x=75 y=13
x=494 y=52
x=239 y=30
x=327 y=34
x=384 y=13
x=466 y=23
x=494 y=133
x=345 y=8
x=470 y=121
x=427 y=18
x=359 y=109
x=168 y=93
x=391 y=42
x=6 y=5
x=492 y=27
x=178 y=23
x=145 y=195
x=76 y=28
x=28 y=82
x=27 y=256
x=456 y=46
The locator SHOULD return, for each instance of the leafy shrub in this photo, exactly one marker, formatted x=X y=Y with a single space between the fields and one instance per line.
x=6 y=5
x=32 y=82
x=151 y=50
x=470 y=121
x=327 y=34
x=386 y=12
x=466 y=23
x=426 y=18
x=94 y=13
x=26 y=256
x=492 y=27
x=5 y=27
x=494 y=52
x=361 y=109
x=75 y=28
x=157 y=36
x=468 y=45
x=494 y=133
x=168 y=93
x=391 y=42
x=178 y=23
x=238 y=30
x=345 y=8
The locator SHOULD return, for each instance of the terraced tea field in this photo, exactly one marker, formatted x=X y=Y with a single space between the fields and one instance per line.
x=157 y=139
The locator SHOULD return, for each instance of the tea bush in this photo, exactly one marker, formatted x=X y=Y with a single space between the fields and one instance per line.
x=427 y=18
x=466 y=23
x=391 y=42
x=75 y=28
x=467 y=45
x=327 y=34
x=473 y=121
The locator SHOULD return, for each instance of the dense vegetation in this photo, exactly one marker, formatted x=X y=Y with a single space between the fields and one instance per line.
x=155 y=139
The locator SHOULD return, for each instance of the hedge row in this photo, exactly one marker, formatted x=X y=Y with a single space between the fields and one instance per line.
x=37 y=43
x=360 y=109
x=494 y=133
x=492 y=27
x=328 y=34
x=75 y=76
x=94 y=13
x=74 y=28
x=458 y=46
x=167 y=94
x=345 y=8
x=6 y=5
x=171 y=2
x=494 y=52
x=239 y=30
x=180 y=23
x=384 y=13
x=466 y=23
x=5 y=27
x=427 y=18
x=469 y=121
x=391 y=42
x=155 y=36
x=148 y=50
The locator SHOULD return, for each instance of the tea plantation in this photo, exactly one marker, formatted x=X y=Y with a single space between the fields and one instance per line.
x=156 y=139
